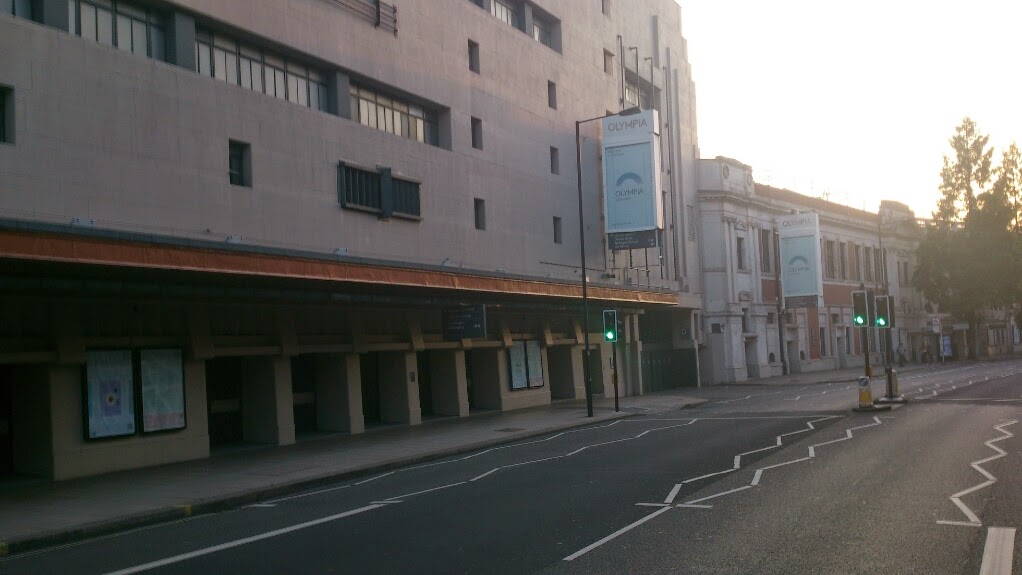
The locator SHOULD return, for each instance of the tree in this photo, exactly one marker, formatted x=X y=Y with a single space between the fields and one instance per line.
x=959 y=259
x=1008 y=184
x=965 y=177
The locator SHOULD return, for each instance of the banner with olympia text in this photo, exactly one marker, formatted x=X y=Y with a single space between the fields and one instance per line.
x=801 y=268
x=631 y=173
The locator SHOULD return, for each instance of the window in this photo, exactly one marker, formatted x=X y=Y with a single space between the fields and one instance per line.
x=823 y=342
x=867 y=264
x=557 y=230
x=828 y=255
x=766 y=250
x=388 y=114
x=605 y=6
x=608 y=62
x=379 y=192
x=225 y=58
x=740 y=253
x=473 y=56
x=857 y=267
x=480 y=213
x=525 y=365
x=127 y=26
x=541 y=33
x=6 y=115
x=239 y=164
x=505 y=11
x=771 y=318
x=631 y=93
x=690 y=221
x=551 y=94
x=17 y=8
x=477 y=133
x=555 y=161
x=842 y=260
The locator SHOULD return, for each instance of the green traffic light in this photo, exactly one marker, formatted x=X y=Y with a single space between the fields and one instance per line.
x=881 y=321
x=860 y=320
x=610 y=336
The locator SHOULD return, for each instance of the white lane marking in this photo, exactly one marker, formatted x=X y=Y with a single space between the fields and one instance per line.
x=722 y=494
x=694 y=506
x=759 y=472
x=848 y=435
x=300 y=495
x=394 y=499
x=673 y=493
x=990 y=399
x=262 y=505
x=959 y=523
x=375 y=478
x=616 y=534
x=478 y=477
x=245 y=541
x=998 y=552
x=977 y=465
x=653 y=504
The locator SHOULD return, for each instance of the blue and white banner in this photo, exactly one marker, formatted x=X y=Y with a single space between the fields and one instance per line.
x=631 y=173
x=801 y=268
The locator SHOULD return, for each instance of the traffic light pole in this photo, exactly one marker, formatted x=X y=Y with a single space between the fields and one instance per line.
x=864 y=337
x=617 y=405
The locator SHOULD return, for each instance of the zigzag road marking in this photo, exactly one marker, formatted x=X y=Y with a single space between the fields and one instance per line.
x=696 y=502
x=974 y=520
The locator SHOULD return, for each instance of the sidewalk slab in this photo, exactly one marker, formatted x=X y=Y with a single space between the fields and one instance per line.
x=41 y=513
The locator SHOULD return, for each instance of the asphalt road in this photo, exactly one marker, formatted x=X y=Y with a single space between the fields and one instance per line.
x=758 y=480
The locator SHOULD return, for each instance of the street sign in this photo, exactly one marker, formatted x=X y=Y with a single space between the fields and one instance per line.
x=945 y=349
x=464 y=322
x=632 y=240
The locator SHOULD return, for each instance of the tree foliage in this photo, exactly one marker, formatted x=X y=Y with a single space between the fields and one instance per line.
x=966 y=260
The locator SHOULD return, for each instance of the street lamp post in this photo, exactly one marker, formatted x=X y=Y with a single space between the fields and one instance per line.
x=586 y=372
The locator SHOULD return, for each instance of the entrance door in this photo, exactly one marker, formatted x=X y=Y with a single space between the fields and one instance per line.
x=794 y=361
x=6 y=413
x=425 y=383
x=223 y=392
x=370 y=368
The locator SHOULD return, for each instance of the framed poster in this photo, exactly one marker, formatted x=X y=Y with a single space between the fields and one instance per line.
x=109 y=394
x=534 y=360
x=163 y=389
x=519 y=367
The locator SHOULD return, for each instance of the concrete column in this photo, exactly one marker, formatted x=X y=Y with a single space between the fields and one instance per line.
x=489 y=377
x=338 y=87
x=450 y=387
x=526 y=23
x=267 y=402
x=399 y=388
x=52 y=13
x=339 y=393
x=180 y=47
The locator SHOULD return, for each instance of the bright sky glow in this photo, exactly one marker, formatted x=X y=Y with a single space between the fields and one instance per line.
x=855 y=100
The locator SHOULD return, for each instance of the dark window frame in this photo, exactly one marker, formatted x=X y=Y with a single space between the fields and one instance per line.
x=479 y=211
x=239 y=163
x=477 y=133
x=473 y=56
x=558 y=233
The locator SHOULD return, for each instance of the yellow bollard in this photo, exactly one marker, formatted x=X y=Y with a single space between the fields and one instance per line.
x=865 y=393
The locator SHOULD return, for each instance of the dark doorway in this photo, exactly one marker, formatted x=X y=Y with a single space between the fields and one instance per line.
x=468 y=380
x=6 y=415
x=303 y=390
x=425 y=383
x=224 y=377
x=370 y=368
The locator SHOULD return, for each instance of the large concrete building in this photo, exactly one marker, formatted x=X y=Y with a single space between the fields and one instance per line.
x=744 y=332
x=240 y=222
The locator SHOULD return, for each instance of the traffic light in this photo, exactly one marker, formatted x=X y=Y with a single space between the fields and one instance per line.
x=884 y=311
x=860 y=309
x=610 y=325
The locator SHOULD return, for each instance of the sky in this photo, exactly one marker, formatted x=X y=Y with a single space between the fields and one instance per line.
x=853 y=101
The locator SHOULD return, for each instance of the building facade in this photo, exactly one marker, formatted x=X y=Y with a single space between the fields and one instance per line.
x=235 y=222
x=745 y=333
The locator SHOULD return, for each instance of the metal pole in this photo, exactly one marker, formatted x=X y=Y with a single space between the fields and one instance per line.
x=585 y=281
x=617 y=406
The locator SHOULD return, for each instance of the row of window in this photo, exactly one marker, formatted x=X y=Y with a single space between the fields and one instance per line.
x=225 y=58
x=125 y=25
x=479 y=209
x=17 y=8
x=512 y=13
x=389 y=114
x=836 y=265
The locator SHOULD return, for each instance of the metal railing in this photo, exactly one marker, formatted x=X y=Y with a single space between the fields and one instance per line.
x=375 y=12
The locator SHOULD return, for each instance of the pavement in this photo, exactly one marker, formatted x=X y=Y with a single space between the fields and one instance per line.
x=838 y=375
x=42 y=513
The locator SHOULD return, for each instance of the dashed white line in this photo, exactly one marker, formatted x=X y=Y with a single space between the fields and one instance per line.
x=673 y=494
x=245 y=541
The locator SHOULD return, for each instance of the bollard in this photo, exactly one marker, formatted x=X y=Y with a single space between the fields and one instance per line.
x=865 y=393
